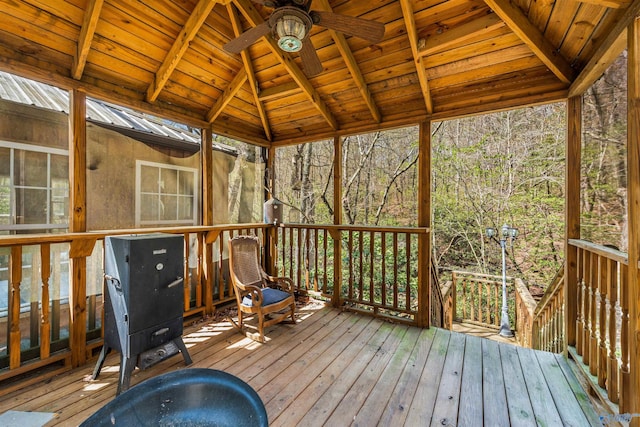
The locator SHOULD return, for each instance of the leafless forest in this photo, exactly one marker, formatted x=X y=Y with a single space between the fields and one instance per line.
x=506 y=167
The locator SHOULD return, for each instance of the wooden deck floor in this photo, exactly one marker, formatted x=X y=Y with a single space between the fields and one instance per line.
x=337 y=369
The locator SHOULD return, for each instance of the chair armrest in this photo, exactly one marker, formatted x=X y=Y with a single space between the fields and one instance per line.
x=283 y=282
x=255 y=292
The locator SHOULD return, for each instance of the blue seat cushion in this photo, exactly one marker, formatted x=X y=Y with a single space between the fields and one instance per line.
x=270 y=295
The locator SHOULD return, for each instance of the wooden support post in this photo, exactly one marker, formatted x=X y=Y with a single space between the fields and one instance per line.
x=206 y=152
x=336 y=298
x=572 y=217
x=271 y=234
x=424 y=220
x=77 y=224
x=631 y=402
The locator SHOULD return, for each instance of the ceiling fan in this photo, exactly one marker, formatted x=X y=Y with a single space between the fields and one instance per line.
x=291 y=22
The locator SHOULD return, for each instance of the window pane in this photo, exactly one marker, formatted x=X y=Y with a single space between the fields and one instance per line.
x=148 y=179
x=169 y=212
x=169 y=181
x=148 y=207
x=186 y=186
x=185 y=208
x=30 y=168
x=33 y=206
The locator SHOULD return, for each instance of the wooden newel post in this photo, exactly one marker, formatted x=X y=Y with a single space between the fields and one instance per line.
x=572 y=217
x=424 y=220
x=631 y=389
x=336 y=235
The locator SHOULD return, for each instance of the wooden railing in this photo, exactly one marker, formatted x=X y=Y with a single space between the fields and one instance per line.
x=477 y=298
x=548 y=321
x=377 y=267
x=602 y=323
x=44 y=325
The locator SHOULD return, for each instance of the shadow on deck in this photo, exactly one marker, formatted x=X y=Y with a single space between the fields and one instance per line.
x=339 y=368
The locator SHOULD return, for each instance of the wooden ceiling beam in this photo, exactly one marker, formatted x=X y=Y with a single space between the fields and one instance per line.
x=412 y=33
x=251 y=75
x=180 y=46
x=279 y=91
x=611 y=4
x=532 y=37
x=607 y=50
x=254 y=17
x=227 y=95
x=352 y=65
x=459 y=34
x=89 y=24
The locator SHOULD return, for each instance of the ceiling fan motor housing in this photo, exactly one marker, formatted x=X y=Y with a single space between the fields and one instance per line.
x=291 y=25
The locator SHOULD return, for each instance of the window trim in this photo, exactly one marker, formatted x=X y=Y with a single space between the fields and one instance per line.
x=138 y=201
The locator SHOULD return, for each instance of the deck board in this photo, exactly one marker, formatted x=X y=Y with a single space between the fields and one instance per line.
x=338 y=368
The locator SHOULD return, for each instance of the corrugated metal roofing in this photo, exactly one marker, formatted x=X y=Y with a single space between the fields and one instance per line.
x=25 y=91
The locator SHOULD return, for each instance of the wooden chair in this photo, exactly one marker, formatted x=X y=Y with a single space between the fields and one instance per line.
x=256 y=292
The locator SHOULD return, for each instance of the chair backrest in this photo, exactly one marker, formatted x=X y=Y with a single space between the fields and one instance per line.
x=244 y=260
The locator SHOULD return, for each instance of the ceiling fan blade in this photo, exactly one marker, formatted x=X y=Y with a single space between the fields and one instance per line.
x=311 y=64
x=371 y=31
x=247 y=38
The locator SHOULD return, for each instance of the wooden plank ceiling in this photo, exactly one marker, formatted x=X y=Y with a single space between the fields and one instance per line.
x=438 y=59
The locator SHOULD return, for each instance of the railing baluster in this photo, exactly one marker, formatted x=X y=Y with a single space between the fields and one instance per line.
x=407 y=290
x=586 y=297
x=604 y=267
x=372 y=291
x=579 y=300
x=612 y=360
x=593 y=325
x=625 y=374
x=15 y=277
x=383 y=261
x=45 y=325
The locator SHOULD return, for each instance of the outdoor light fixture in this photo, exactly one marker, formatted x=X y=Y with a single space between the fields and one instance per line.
x=507 y=234
x=291 y=27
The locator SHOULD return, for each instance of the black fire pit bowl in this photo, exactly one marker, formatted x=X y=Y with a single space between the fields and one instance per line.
x=188 y=397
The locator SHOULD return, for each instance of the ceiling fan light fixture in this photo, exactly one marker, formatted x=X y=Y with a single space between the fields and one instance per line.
x=291 y=30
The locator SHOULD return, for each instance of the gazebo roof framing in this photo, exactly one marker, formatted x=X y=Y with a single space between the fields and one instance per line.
x=438 y=59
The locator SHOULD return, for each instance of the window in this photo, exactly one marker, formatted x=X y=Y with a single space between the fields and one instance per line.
x=34 y=187
x=165 y=194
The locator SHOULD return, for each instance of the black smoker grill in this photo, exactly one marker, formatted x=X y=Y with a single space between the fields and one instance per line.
x=143 y=301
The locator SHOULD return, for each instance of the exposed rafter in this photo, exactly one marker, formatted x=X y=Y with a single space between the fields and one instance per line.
x=89 y=23
x=607 y=51
x=180 y=46
x=251 y=76
x=227 y=95
x=412 y=33
x=254 y=17
x=352 y=65
x=532 y=37
x=456 y=35
x=612 y=4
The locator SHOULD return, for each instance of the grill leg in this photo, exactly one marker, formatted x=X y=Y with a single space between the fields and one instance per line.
x=183 y=349
x=103 y=355
x=127 y=364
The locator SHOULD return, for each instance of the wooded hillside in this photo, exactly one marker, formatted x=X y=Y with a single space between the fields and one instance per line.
x=488 y=170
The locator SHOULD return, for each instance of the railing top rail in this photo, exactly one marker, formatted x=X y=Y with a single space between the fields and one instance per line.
x=605 y=251
x=550 y=292
x=481 y=277
x=33 y=239
x=346 y=227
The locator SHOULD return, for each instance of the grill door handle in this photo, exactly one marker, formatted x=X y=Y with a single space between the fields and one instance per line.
x=175 y=282
x=160 y=332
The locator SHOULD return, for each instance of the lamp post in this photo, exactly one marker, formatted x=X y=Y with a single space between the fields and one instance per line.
x=507 y=234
